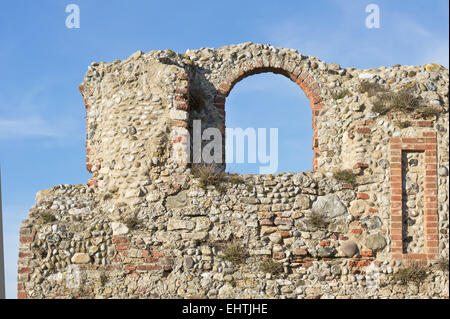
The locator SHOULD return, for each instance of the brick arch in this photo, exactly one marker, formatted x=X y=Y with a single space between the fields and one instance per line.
x=298 y=75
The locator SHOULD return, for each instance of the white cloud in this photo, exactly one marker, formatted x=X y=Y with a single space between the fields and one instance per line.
x=428 y=46
x=345 y=39
x=26 y=127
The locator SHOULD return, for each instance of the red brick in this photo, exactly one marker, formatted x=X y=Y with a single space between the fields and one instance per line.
x=363 y=196
x=396 y=179
x=285 y=234
x=266 y=222
x=182 y=106
x=148 y=267
x=182 y=76
x=425 y=123
x=363 y=130
x=429 y=134
x=361 y=165
x=279 y=255
x=25 y=270
x=396 y=225
x=119 y=240
x=157 y=254
x=22 y=295
x=396 y=172
x=26 y=239
x=431 y=243
x=283 y=221
x=431 y=230
x=151 y=260
x=182 y=91
x=24 y=255
x=130 y=267
x=179 y=124
x=93 y=182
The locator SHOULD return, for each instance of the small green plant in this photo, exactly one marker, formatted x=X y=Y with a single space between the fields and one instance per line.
x=47 y=217
x=346 y=177
x=380 y=107
x=400 y=101
x=208 y=175
x=414 y=272
x=270 y=266
x=235 y=179
x=428 y=111
x=317 y=220
x=341 y=94
x=234 y=253
x=103 y=279
x=404 y=124
x=211 y=174
x=133 y=223
x=443 y=264
x=371 y=88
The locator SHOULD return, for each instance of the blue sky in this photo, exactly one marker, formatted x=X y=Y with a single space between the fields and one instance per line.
x=42 y=128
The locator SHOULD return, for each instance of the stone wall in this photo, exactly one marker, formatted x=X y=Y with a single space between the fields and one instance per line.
x=144 y=227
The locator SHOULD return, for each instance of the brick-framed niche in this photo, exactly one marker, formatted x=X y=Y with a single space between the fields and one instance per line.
x=427 y=145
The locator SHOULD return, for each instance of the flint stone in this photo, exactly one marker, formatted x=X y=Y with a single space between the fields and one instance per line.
x=80 y=258
x=275 y=238
x=383 y=163
x=176 y=224
x=442 y=171
x=195 y=236
x=349 y=248
x=119 y=228
x=302 y=202
x=336 y=270
x=357 y=207
x=339 y=225
x=326 y=252
x=375 y=242
x=261 y=252
x=202 y=223
x=330 y=206
x=177 y=201
x=372 y=222
x=366 y=76
x=188 y=262
x=79 y=211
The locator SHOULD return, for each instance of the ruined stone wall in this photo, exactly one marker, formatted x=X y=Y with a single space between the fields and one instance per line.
x=144 y=226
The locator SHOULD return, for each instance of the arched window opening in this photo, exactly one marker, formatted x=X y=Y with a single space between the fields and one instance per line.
x=267 y=101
